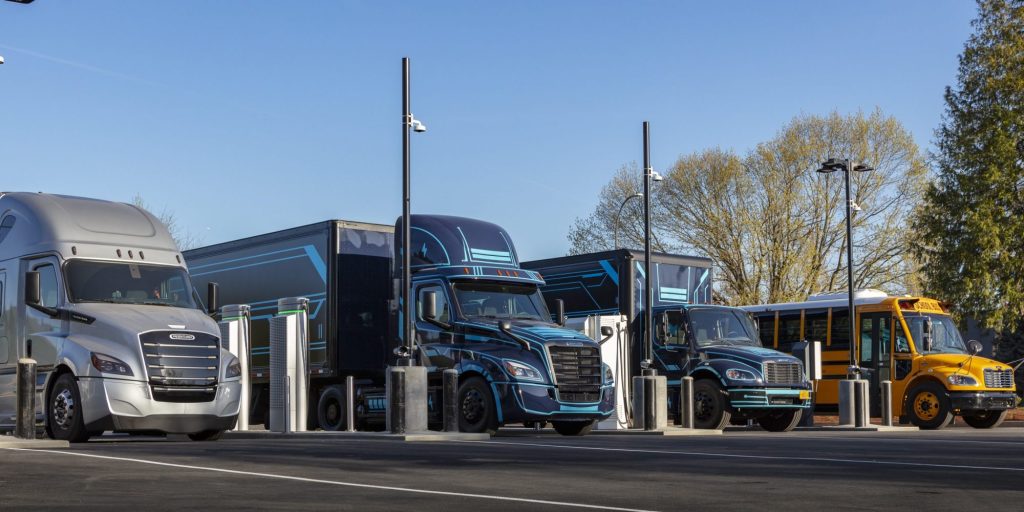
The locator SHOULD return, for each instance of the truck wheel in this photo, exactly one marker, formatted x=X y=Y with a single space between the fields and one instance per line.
x=206 y=435
x=573 y=428
x=986 y=419
x=64 y=411
x=711 y=405
x=928 y=406
x=330 y=410
x=476 y=407
x=780 y=421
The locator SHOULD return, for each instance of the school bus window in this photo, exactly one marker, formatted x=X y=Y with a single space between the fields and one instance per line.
x=816 y=325
x=902 y=345
x=840 y=328
x=766 y=326
x=789 y=331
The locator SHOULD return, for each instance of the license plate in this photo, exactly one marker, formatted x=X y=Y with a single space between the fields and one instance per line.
x=804 y=395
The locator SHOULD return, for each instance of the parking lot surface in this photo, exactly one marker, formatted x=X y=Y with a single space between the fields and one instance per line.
x=525 y=470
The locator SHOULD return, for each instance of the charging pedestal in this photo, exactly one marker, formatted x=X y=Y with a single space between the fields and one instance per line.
x=288 y=365
x=810 y=353
x=234 y=335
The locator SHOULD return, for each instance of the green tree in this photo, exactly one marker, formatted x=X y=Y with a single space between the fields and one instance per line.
x=972 y=224
x=773 y=226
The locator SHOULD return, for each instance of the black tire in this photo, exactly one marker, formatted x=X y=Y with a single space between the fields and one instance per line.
x=330 y=409
x=711 y=405
x=206 y=435
x=928 y=406
x=64 y=411
x=985 y=419
x=477 y=412
x=573 y=428
x=780 y=421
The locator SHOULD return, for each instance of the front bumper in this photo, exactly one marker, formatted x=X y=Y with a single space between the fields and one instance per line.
x=766 y=398
x=982 y=401
x=127 y=406
x=519 y=402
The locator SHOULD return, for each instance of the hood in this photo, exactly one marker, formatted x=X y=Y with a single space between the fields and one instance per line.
x=541 y=333
x=133 y=319
x=954 y=361
x=749 y=354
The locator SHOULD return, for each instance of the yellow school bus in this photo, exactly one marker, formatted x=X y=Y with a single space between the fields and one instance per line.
x=911 y=341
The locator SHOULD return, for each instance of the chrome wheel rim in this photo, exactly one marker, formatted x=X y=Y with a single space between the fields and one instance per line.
x=64 y=409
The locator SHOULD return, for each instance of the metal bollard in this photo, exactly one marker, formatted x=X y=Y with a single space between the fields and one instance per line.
x=686 y=402
x=650 y=405
x=396 y=400
x=350 y=404
x=887 y=403
x=450 y=400
x=25 y=426
x=860 y=398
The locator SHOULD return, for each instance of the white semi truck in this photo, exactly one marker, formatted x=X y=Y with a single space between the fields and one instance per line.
x=98 y=294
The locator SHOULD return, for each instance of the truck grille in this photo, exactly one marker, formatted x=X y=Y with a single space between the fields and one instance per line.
x=783 y=373
x=998 y=378
x=182 y=366
x=577 y=373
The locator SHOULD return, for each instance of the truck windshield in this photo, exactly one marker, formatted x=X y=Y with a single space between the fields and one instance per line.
x=721 y=326
x=945 y=338
x=501 y=300
x=128 y=283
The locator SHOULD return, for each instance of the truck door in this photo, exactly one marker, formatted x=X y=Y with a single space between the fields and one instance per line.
x=875 y=354
x=40 y=333
x=434 y=342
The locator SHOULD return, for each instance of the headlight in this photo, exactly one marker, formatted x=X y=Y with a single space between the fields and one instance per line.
x=107 y=364
x=609 y=378
x=234 y=369
x=962 y=380
x=521 y=371
x=737 y=374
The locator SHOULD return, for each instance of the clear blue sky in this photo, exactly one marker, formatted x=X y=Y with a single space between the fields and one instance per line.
x=250 y=116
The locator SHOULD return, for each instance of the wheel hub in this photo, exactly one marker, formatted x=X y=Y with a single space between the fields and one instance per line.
x=473 y=406
x=703 y=406
x=64 y=409
x=926 y=406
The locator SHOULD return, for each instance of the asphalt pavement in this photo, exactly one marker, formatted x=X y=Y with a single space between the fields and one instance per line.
x=524 y=470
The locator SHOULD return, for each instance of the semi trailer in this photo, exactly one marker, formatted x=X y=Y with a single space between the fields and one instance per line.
x=735 y=378
x=477 y=311
x=97 y=293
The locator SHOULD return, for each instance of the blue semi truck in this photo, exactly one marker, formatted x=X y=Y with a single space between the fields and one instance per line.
x=735 y=379
x=489 y=322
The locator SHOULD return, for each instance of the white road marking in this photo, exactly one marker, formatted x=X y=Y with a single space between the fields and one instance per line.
x=748 y=456
x=336 y=482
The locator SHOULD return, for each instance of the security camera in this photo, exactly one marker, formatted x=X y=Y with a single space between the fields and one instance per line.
x=1 y=59
x=655 y=176
x=418 y=127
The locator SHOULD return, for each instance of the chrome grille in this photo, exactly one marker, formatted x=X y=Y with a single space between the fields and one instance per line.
x=182 y=366
x=783 y=373
x=998 y=378
x=577 y=373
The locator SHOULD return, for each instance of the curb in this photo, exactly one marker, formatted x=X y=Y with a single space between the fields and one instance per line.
x=409 y=437
x=32 y=444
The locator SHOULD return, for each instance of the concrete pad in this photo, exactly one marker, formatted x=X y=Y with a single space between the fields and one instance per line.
x=34 y=444
x=667 y=431
x=848 y=428
x=411 y=437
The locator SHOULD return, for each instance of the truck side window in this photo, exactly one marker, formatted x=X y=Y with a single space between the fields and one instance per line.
x=48 y=285
x=442 y=303
x=675 y=333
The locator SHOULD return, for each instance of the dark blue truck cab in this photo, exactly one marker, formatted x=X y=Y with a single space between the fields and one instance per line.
x=489 y=322
x=735 y=379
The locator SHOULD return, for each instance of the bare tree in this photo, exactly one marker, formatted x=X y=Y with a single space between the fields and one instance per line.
x=184 y=238
x=775 y=227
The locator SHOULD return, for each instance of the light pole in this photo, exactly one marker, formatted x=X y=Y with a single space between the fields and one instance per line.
x=615 y=236
x=827 y=167
x=409 y=124
x=645 y=364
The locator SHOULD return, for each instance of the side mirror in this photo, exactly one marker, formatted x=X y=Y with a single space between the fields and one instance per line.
x=212 y=298
x=429 y=304
x=926 y=335
x=560 y=312
x=33 y=294
x=607 y=331
x=974 y=347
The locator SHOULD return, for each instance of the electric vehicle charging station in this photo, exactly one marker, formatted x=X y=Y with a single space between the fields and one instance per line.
x=615 y=354
x=810 y=353
x=235 y=329
x=288 y=366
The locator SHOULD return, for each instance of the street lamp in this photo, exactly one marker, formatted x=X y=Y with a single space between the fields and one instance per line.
x=827 y=167
x=409 y=124
x=615 y=236
x=645 y=364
